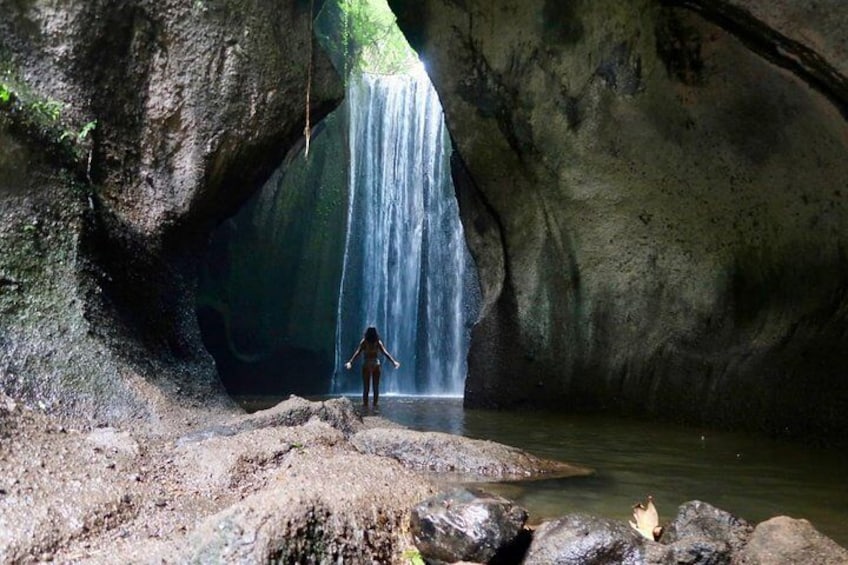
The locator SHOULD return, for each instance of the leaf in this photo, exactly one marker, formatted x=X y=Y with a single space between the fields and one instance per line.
x=86 y=129
x=647 y=520
x=414 y=557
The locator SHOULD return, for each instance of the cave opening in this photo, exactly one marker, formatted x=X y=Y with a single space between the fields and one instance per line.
x=359 y=227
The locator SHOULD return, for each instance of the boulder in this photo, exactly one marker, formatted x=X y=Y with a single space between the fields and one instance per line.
x=702 y=521
x=578 y=539
x=360 y=516
x=466 y=525
x=786 y=540
x=691 y=551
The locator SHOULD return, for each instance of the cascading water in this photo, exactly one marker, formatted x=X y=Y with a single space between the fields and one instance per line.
x=407 y=269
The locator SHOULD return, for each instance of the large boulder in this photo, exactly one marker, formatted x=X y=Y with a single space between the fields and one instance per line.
x=696 y=519
x=195 y=104
x=466 y=525
x=360 y=516
x=786 y=540
x=578 y=539
x=655 y=196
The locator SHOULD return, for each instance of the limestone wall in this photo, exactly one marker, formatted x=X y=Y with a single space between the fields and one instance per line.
x=655 y=193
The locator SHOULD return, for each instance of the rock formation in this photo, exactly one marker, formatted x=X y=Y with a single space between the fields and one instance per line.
x=655 y=194
x=195 y=104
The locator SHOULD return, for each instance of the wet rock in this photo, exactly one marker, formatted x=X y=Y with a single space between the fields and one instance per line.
x=690 y=551
x=786 y=540
x=466 y=525
x=698 y=520
x=470 y=459
x=577 y=539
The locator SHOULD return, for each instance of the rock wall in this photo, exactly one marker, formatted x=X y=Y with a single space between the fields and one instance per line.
x=268 y=289
x=655 y=194
x=196 y=103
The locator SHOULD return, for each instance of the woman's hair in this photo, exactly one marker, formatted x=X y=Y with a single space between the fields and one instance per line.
x=371 y=335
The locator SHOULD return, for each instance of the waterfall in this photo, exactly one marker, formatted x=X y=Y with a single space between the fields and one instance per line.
x=407 y=269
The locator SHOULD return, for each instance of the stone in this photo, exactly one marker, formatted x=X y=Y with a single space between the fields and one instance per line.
x=466 y=525
x=577 y=539
x=329 y=507
x=786 y=540
x=700 y=520
x=691 y=551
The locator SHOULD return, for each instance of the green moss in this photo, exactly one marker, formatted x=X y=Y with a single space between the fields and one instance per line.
x=42 y=119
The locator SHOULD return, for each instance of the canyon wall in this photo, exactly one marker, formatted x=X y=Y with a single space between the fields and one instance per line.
x=655 y=194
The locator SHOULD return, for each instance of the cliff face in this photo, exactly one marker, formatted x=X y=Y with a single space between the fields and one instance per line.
x=655 y=194
x=268 y=290
x=196 y=103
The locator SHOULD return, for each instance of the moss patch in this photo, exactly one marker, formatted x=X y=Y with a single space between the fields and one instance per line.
x=42 y=120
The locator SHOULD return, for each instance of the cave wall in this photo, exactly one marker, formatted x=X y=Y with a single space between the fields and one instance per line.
x=196 y=103
x=268 y=289
x=655 y=194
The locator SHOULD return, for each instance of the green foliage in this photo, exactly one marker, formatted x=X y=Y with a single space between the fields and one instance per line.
x=414 y=557
x=86 y=129
x=362 y=36
x=46 y=110
x=41 y=118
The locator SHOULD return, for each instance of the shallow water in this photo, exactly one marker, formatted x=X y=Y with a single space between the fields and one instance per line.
x=752 y=477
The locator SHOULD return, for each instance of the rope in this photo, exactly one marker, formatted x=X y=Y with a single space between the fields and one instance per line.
x=307 y=130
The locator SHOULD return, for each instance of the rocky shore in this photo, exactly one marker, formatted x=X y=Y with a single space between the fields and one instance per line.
x=314 y=482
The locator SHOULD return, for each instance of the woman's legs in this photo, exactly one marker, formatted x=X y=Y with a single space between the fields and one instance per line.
x=369 y=374
x=375 y=375
x=366 y=382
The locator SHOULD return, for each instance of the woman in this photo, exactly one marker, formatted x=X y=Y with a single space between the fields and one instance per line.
x=371 y=347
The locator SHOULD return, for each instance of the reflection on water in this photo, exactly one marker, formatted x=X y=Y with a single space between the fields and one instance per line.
x=751 y=477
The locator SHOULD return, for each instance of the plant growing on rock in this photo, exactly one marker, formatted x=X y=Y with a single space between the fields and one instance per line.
x=43 y=120
x=361 y=36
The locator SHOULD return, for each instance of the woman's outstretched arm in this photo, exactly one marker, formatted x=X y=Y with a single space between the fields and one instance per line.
x=389 y=355
x=355 y=355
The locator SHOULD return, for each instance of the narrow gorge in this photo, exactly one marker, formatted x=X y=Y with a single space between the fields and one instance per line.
x=623 y=209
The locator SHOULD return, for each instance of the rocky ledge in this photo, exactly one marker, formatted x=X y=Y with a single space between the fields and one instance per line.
x=311 y=482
